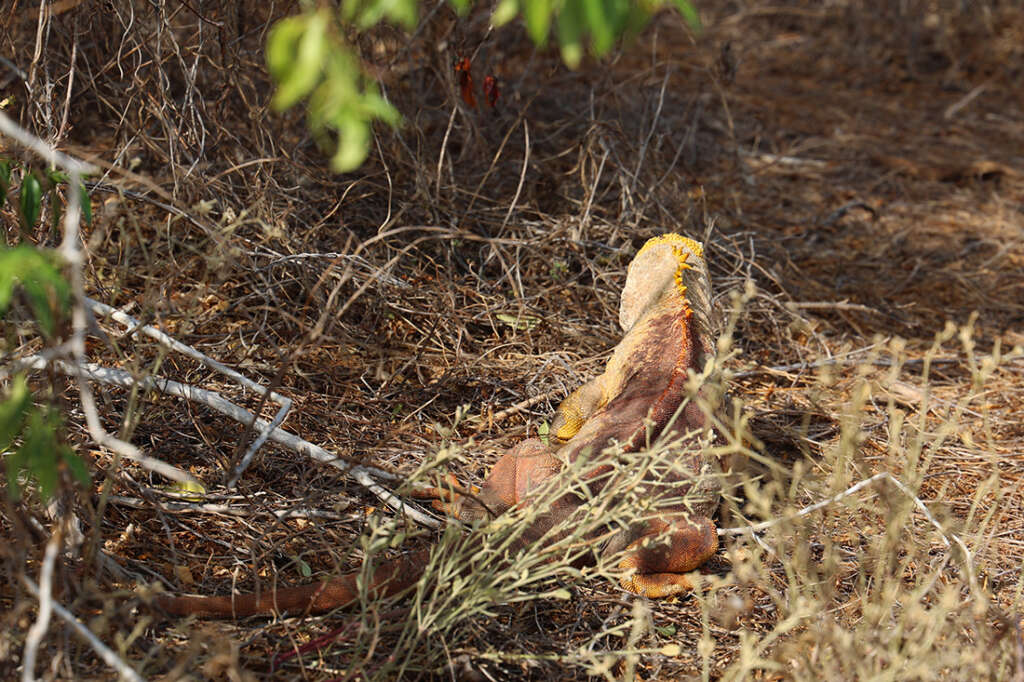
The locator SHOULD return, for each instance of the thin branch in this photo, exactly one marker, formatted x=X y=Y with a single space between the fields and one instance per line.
x=832 y=305
x=522 y=176
x=590 y=195
x=109 y=657
x=49 y=154
x=839 y=361
x=45 y=596
x=225 y=509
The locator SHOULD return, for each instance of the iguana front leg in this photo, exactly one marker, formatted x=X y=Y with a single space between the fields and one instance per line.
x=530 y=460
x=510 y=481
x=578 y=407
x=664 y=552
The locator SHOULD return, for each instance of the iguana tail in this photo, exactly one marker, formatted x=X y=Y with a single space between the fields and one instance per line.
x=388 y=579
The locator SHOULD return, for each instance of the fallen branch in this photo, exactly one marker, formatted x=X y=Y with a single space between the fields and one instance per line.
x=224 y=509
x=44 y=593
x=839 y=362
x=285 y=403
x=361 y=473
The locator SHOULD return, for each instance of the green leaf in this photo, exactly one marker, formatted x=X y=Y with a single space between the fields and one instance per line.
x=296 y=50
x=341 y=100
x=38 y=297
x=8 y=278
x=191 y=490
x=12 y=410
x=40 y=452
x=537 y=14
x=367 y=14
x=282 y=43
x=55 y=210
x=15 y=464
x=505 y=12
x=689 y=13
x=75 y=465
x=600 y=24
x=36 y=270
x=405 y=13
x=31 y=197
x=56 y=177
x=520 y=322
x=460 y=6
x=353 y=142
x=636 y=17
x=83 y=198
x=5 y=180
x=378 y=107
x=570 y=33
x=304 y=570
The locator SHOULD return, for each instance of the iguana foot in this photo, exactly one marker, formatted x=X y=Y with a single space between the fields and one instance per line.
x=656 y=585
x=659 y=562
x=447 y=498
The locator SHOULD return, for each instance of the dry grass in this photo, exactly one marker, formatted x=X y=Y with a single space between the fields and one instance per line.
x=862 y=168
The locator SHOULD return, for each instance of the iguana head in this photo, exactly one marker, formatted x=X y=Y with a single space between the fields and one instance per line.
x=667 y=266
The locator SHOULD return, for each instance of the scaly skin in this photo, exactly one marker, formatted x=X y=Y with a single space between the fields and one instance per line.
x=665 y=314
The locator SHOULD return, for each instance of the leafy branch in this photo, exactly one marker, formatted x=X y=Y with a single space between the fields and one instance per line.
x=31 y=434
x=309 y=58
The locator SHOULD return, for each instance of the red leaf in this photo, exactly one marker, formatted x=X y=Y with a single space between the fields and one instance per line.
x=491 y=92
x=465 y=81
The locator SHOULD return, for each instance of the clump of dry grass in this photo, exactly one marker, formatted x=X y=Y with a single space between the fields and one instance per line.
x=862 y=182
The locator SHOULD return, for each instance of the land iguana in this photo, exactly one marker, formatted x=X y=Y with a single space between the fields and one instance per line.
x=665 y=313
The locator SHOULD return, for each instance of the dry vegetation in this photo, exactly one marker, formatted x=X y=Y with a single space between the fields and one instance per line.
x=862 y=167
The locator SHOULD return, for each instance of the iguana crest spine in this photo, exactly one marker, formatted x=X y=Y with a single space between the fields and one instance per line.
x=676 y=240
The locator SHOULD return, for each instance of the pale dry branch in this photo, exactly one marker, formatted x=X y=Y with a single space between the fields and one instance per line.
x=124 y=670
x=360 y=473
x=285 y=403
x=175 y=507
x=46 y=605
